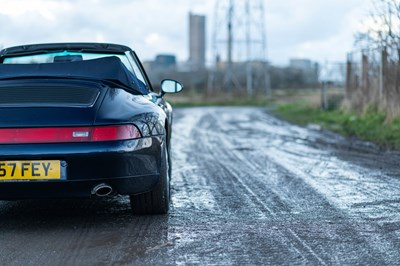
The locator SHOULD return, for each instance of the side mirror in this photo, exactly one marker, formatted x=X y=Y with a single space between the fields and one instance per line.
x=170 y=86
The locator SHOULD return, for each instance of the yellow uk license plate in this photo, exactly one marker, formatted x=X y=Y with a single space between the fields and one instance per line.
x=30 y=170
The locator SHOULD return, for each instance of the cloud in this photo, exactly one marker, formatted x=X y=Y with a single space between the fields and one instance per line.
x=307 y=28
x=152 y=39
x=43 y=8
x=313 y=29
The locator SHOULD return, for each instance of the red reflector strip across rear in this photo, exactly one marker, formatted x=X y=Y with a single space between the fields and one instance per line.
x=68 y=134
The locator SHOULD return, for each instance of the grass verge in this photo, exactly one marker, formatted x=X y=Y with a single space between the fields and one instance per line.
x=370 y=126
x=193 y=100
x=238 y=102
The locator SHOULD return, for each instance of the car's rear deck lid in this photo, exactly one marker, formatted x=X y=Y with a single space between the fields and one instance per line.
x=42 y=95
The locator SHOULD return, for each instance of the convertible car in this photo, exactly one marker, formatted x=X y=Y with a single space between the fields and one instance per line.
x=82 y=120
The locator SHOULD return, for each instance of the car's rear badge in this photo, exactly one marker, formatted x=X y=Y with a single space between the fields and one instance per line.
x=80 y=134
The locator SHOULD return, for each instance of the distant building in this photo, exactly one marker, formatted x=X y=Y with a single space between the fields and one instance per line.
x=160 y=68
x=165 y=61
x=197 y=41
x=162 y=62
x=303 y=64
x=308 y=69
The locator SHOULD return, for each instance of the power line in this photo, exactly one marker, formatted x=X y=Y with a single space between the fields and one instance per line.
x=239 y=41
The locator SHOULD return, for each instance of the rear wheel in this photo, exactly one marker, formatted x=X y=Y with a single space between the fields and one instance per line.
x=157 y=200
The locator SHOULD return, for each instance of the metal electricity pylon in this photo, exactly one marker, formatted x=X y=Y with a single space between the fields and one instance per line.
x=239 y=46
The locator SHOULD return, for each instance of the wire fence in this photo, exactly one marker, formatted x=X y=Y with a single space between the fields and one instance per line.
x=332 y=79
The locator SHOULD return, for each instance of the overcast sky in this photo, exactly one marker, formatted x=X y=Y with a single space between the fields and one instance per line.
x=315 y=29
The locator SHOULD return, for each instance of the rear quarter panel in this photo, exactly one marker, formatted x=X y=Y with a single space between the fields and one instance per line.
x=120 y=107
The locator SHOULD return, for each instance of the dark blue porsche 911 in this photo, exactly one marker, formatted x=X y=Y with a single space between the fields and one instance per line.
x=82 y=120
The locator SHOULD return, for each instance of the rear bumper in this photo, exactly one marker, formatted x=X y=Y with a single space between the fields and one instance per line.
x=74 y=189
x=129 y=167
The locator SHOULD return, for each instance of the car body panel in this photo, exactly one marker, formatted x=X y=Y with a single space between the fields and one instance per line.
x=46 y=115
x=121 y=106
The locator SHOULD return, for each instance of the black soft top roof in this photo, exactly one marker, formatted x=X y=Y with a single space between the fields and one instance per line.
x=108 y=69
x=54 y=47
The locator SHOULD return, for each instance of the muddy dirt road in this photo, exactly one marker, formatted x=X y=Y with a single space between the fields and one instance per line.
x=247 y=189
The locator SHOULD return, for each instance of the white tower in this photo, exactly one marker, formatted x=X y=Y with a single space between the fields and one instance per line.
x=197 y=41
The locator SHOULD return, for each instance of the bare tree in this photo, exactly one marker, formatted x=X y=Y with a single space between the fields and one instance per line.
x=382 y=26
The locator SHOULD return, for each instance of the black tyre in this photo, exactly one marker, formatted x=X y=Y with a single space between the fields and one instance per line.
x=157 y=200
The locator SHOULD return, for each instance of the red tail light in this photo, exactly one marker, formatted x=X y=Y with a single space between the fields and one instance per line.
x=115 y=133
x=68 y=134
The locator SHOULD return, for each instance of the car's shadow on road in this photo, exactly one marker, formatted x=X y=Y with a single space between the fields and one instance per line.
x=80 y=231
x=70 y=213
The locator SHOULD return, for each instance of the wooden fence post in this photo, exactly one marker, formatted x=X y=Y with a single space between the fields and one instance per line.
x=382 y=78
x=349 y=75
x=365 y=94
x=397 y=76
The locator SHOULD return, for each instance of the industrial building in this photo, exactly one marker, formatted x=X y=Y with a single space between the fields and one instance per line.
x=197 y=41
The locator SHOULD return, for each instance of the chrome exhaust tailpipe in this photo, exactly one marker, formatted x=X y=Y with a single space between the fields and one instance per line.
x=102 y=190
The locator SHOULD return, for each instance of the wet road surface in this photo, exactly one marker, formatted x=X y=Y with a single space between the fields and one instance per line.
x=247 y=189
